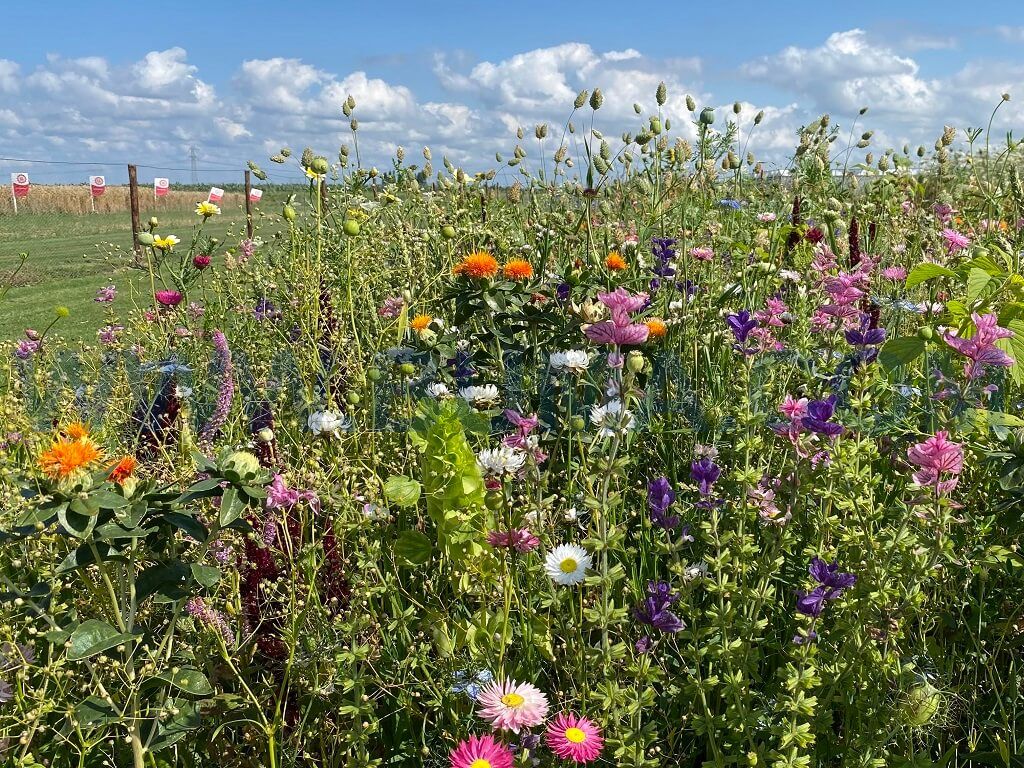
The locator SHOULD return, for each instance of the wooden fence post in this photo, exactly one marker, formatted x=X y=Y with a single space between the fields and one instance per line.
x=248 y=205
x=133 y=197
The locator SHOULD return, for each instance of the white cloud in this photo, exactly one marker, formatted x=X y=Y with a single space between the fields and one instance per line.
x=1013 y=34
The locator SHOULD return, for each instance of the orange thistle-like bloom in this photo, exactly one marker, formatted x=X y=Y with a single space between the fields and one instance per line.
x=420 y=322
x=615 y=262
x=124 y=469
x=76 y=430
x=66 y=457
x=518 y=269
x=479 y=266
x=656 y=328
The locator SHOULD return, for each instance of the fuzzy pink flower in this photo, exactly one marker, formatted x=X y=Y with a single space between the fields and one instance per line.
x=519 y=539
x=481 y=752
x=575 y=738
x=168 y=298
x=955 y=241
x=935 y=457
x=511 y=706
x=702 y=253
x=895 y=274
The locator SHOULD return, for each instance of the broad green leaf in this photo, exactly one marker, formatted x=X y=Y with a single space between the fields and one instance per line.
x=189 y=680
x=403 y=491
x=922 y=273
x=207 y=575
x=900 y=351
x=92 y=637
x=95 y=711
x=977 y=281
x=231 y=506
x=166 y=579
x=413 y=547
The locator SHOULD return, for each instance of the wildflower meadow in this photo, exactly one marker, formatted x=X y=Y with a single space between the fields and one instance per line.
x=649 y=458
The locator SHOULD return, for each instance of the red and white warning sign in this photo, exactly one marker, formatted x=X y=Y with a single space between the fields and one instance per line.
x=19 y=183
x=97 y=185
x=255 y=195
x=216 y=195
x=160 y=187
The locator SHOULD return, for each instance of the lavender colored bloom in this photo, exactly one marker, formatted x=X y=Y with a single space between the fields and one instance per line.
x=705 y=473
x=654 y=611
x=741 y=324
x=810 y=637
x=26 y=348
x=660 y=497
x=643 y=645
x=831 y=584
x=106 y=294
x=661 y=248
x=819 y=413
x=865 y=335
x=197 y=608
x=226 y=393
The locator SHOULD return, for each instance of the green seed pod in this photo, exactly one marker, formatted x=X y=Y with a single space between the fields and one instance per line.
x=707 y=116
x=921 y=151
x=407 y=369
x=146 y=238
x=374 y=374
x=288 y=212
x=448 y=232
x=352 y=398
x=596 y=99
x=581 y=99
x=577 y=423
x=668 y=124
x=635 y=361
x=661 y=95
x=351 y=227
x=736 y=107
x=921 y=704
x=925 y=333
x=320 y=165
x=690 y=103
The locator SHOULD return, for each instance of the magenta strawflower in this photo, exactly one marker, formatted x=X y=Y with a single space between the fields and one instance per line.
x=575 y=738
x=481 y=752
x=512 y=706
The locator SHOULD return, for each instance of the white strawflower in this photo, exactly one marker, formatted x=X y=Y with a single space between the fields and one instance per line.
x=567 y=564
x=480 y=396
x=503 y=460
x=439 y=390
x=611 y=417
x=327 y=422
x=572 y=360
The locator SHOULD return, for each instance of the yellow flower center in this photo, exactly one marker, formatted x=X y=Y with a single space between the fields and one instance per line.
x=512 y=700
x=480 y=763
x=568 y=565
x=575 y=735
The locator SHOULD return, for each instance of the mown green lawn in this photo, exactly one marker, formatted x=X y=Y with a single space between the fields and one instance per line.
x=70 y=257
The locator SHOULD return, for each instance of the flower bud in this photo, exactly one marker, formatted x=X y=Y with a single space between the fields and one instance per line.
x=707 y=116
x=736 y=107
x=448 y=232
x=635 y=361
x=661 y=95
x=145 y=238
x=407 y=369
x=577 y=423
x=759 y=117
x=288 y=212
x=351 y=227
x=266 y=435
x=154 y=222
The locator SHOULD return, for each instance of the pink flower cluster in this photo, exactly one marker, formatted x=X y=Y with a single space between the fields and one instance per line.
x=980 y=349
x=767 y=319
x=620 y=330
x=939 y=461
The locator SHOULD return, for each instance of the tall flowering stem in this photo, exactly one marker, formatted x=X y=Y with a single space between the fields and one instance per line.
x=226 y=393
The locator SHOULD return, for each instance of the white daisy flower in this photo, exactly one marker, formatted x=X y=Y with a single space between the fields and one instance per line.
x=327 y=422
x=480 y=396
x=572 y=360
x=567 y=564
x=611 y=418
x=503 y=460
x=439 y=390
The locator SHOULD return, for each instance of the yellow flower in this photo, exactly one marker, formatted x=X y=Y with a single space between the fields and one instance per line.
x=206 y=209
x=165 y=243
x=311 y=174
x=420 y=322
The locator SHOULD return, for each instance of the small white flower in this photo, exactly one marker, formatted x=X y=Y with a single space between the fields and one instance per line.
x=695 y=571
x=567 y=564
x=439 y=390
x=790 y=275
x=503 y=460
x=327 y=422
x=182 y=393
x=570 y=515
x=480 y=396
x=611 y=418
x=573 y=360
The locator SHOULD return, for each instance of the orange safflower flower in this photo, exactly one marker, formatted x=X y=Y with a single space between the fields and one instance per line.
x=66 y=457
x=479 y=266
x=518 y=269
x=656 y=328
x=420 y=322
x=124 y=469
x=76 y=430
x=615 y=262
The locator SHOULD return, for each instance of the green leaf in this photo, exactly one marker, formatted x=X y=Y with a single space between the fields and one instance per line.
x=166 y=579
x=900 y=351
x=231 y=506
x=95 y=711
x=92 y=637
x=78 y=525
x=188 y=524
x=977 y=281
x=413 y=547
x=922 y=273
x=403 y=491
x=86 y=555
x=189 y=680
x=108 y=500
x=207 y=575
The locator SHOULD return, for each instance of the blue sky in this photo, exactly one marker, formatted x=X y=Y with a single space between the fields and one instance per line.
x=85 y=82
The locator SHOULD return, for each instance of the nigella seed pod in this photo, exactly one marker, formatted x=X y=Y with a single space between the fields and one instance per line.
x=596 y=99
x=661 y=95
x=581 y=99
x=690 y=103
x=921 y=704
x=707 y=116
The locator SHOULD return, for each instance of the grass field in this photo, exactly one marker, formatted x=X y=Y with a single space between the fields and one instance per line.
x=71 y=256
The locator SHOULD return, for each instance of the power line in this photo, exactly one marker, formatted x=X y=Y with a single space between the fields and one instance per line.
x=137 y=165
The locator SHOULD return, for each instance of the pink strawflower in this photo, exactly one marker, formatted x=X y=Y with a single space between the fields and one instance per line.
x=955 y=241
x=935 y=457
x=702 y=254
x=575 y=738
x=169 y=298
x=511 y=706
x=980 y=349
x=519 y=539
x=481 y=752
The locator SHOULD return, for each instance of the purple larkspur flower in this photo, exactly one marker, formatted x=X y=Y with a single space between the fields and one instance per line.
x=660 y=497
x=819 y=415
x=654 y=611
x=741 y=324
x=705 y=473
x=831 y=584
x=663 y=252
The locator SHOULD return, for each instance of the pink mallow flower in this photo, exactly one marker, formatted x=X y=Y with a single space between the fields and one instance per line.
x=935 y=457
x=576 y=738
x=980 y=349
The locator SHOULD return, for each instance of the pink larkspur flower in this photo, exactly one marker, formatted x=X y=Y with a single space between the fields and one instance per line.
x=573 y=737
x=512 y=706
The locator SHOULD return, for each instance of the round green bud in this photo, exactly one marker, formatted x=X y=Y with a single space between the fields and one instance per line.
x=61 y=311
x=635 y=361
x=154 y=222
x=288 y=212
x=242 y=462
x=922 y=704
x=320 y=165
x=146 y=238
x=493 y=500
x=407 y=369
x=374 y=374
x=577 y=423
x=351 y=227
x=448 y=232
x=352 y=398
x=925 y=333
